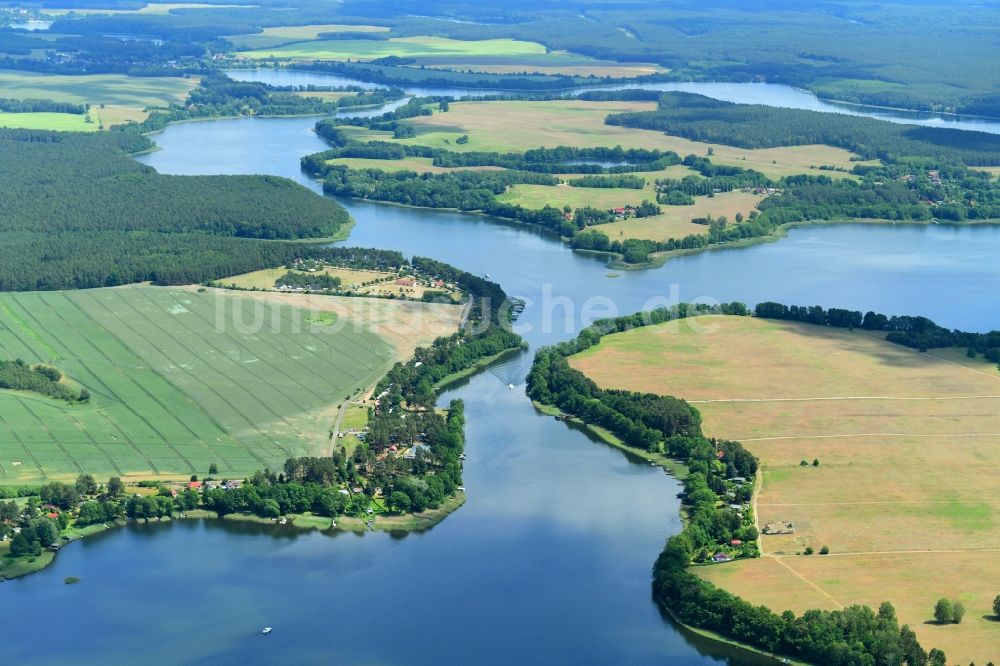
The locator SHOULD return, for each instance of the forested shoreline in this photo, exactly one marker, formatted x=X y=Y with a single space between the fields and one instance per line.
x=650 y=422
x=118 y=222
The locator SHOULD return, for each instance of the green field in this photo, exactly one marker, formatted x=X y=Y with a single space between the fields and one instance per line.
x=176 y=384
x=61 y=122
x=271 y=37
x=404 y=47
x=125 y=97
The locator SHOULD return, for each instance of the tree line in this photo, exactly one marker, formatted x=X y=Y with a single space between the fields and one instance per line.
x=45 y=380
x=911 y=331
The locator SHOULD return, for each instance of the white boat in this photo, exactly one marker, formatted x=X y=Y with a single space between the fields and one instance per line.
x=265 y=631
x=510 y=386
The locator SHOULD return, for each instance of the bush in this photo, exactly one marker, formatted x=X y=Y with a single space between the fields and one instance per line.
x=825 y=550
x=808 y=550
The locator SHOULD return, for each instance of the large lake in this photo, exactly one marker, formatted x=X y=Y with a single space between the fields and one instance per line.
x=549 y=559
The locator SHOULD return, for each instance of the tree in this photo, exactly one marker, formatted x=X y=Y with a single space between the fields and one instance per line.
x=957 y=611
x=825 y=550
x=996 y=607
x=815 y=462
x=115 y=487
x=938 y=658
x=22 y=546
x=86 y=485
x=213 y=469
x=943 y=611
x=400 y=501
x=808 y=550
x=46 y=531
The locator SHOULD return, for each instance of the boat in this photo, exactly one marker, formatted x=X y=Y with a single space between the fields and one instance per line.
x=265 y=631
x=510 y=386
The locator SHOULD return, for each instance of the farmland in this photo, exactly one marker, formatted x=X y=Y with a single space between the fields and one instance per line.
x=359 y=281
x=519 y=126
x=124 y=97
x=60 y=122
x=674 y=222
x=905 y=491
x=181 y=379
x=276 y=36
x=499 y=56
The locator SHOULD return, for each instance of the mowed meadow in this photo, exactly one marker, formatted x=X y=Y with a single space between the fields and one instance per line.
x=907 y=491
x=181 y=379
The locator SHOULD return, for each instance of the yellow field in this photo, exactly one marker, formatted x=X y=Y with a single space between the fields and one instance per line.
x=518 y=126
x=907 y=492
x=375 y=283
x=674 y=222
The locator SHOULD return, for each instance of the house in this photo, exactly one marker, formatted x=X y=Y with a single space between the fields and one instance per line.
x=735 y=542
x=411 y=453
x=194 y=485
x=721 y=557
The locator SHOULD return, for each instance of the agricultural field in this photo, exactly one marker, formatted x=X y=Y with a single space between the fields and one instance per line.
x=906 y=491
x=276 y=36
x=60 y=122
x=519 y=125
x=498 y=56
x=674 y=222
x=182 y=378
x=124 y=97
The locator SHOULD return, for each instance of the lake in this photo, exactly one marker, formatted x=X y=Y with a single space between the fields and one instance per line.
x=550 y=557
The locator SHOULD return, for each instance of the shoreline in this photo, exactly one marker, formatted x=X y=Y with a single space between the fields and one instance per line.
x=393 y=524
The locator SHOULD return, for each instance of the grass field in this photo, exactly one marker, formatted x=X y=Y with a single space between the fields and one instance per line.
x=61 y=122
x=182 y=379
x=907 y=493
x=519 y=125
x=125 y=97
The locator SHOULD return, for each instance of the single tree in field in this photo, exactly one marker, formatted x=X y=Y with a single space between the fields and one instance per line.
x=996 y=607
x=957 y=612
x=213 y=469
x=937 y=658
x=943 y=611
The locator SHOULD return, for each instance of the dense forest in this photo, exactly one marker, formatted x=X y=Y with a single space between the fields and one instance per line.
x=855 y=635
x=118 y=221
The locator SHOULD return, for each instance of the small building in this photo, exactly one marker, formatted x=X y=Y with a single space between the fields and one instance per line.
x=194 y=485
x=735 y=542
x=721 y=557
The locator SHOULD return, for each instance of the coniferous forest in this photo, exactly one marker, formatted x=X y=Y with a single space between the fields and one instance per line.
x=117 y=221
